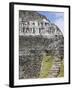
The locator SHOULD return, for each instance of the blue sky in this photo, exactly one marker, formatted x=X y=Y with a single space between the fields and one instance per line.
x=55 y=17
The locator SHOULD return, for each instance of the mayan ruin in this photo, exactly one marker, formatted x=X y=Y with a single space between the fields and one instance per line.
x=41 y=47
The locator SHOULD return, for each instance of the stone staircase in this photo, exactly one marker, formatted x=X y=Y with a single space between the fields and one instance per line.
x=55 y=69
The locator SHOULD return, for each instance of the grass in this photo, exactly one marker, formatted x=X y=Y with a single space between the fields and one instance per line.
x=46 y=65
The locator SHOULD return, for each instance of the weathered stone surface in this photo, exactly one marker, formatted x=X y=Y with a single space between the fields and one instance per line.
x=32 y=48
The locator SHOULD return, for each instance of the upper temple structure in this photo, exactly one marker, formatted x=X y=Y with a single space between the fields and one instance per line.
x=36 y=25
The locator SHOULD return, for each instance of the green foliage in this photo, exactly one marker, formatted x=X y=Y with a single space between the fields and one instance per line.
x=46 y=65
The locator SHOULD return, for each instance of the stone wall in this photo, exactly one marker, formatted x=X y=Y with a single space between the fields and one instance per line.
x=33 y=48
